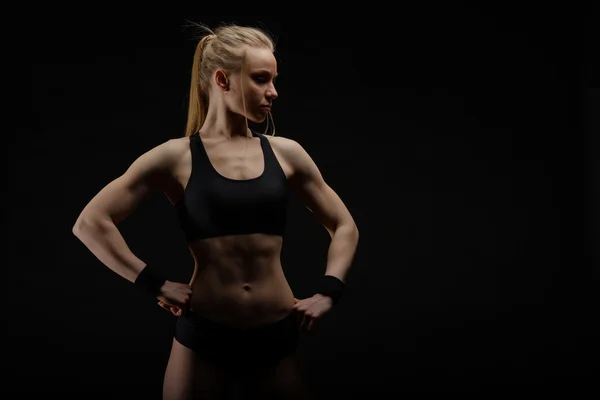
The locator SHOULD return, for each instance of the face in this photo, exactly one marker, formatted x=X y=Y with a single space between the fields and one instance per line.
x=256 y=82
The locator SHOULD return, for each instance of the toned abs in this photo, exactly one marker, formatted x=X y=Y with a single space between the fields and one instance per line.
x=237 y=279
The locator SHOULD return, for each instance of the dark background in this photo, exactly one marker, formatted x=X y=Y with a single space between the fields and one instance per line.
x=453 y=135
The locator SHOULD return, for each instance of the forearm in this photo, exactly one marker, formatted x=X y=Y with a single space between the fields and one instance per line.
x=342 y=249
x=104 y=240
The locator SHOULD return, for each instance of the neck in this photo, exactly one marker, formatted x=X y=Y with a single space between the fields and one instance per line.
x=221 y=123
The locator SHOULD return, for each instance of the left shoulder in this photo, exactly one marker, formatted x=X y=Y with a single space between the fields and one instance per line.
x=286 y=146
x=299 y=163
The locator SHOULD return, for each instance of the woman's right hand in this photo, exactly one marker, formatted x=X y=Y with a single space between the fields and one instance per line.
x=174 y=297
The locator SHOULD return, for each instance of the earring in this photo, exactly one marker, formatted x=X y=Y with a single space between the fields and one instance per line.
x=272 y=124
x=267 y=126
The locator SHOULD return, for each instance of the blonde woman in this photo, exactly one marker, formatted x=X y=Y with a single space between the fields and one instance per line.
x=237 y=319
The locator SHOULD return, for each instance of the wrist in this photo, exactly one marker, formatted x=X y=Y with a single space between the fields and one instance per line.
x=331 y=287
x=150 y=281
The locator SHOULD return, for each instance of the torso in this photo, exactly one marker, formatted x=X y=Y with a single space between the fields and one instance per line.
x=237 y=279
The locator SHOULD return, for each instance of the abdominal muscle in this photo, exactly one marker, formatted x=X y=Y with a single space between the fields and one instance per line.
x=238 y=280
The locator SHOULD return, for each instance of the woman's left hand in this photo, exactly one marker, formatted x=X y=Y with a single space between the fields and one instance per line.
x=310 y=310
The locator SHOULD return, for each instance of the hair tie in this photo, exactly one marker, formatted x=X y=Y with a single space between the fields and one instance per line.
x=204 y=41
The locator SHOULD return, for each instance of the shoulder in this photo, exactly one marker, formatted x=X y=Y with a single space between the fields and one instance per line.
x=291 y=149
x=175 y=147
x=293 y=153
x=165 y=155
x=172 y=149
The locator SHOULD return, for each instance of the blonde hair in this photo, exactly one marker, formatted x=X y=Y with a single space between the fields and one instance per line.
x=221 y=48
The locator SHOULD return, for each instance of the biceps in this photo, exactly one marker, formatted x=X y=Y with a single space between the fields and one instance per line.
x=118 y=199
x=324 y=203
x=121 y=196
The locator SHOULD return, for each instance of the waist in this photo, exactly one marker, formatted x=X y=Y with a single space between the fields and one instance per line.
x=240 y=297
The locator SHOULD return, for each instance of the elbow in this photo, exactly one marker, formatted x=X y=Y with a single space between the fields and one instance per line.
x=84 y=223
x=79 y=226
x=348 y=227
x=76 y=229
x=355 y=229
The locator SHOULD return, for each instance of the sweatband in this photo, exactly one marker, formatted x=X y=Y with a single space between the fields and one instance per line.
x=332 y=287
x=150 y=281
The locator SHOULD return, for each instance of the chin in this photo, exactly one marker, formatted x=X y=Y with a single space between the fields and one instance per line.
x=257 y=119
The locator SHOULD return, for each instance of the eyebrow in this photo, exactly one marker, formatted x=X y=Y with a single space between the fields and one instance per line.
x=263 y=71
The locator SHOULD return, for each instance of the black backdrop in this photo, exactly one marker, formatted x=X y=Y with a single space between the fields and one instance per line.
x=452 y=134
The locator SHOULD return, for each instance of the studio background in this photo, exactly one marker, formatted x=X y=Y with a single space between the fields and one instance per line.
x=453 y=136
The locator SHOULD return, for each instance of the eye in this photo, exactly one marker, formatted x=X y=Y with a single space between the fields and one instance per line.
x=260 y=79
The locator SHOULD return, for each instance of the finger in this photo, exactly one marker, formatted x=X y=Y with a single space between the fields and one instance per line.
x=299 y=319
x=304 y=322
x=311 y=325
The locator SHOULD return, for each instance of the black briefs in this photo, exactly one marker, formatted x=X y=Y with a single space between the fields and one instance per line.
x=233 y=348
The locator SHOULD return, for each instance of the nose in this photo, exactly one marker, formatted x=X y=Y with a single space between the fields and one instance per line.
x=271 y=93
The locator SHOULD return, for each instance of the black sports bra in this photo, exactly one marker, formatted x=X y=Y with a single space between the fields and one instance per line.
x=213 y=205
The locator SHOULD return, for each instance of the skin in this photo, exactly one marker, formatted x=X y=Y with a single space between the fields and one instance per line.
x=237 y=280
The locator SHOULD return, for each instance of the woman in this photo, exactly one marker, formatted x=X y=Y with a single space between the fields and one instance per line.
x=238 y=320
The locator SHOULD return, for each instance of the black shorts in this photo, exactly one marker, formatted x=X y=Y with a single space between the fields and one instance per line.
x=233 y=348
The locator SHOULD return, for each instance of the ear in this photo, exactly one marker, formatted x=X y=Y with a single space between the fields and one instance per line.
x=222 y=80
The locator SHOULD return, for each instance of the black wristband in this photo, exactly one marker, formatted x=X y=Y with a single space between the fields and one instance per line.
x=150 y=281
x=332 y=287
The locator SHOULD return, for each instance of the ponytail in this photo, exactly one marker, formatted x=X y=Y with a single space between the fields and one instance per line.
x=198 y=103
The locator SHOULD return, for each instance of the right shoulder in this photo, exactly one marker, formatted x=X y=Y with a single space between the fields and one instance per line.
x=173 y=147
x=159 y=162
x=165 y=155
